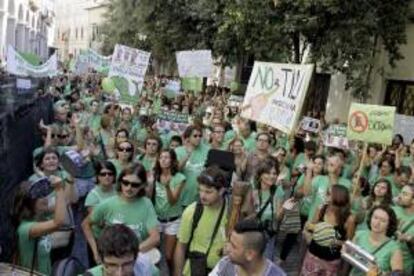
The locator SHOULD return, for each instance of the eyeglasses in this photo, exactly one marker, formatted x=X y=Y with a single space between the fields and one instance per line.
x=106 y=174
x=129 y=149
x=197 y=136
x=127 y=183
x=263 y=140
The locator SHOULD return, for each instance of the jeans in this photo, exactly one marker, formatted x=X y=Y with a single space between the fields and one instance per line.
x=270 y=247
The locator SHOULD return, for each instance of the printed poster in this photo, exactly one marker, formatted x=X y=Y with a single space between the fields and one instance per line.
x=275 y=94
x=371 y=123
x=127 y=70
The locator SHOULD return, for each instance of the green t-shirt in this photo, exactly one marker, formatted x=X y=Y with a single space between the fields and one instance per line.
x=404 y=225
x=300 y=160
x=163 y=208
x=382 y=256
x=203 y=234
x=260 y=200
x=94 y=122
x=320 y=185
x=27 y=246
x=249 y=142
x=407 y=161
x=139 y=215
x=97 y=195
x=192 y=169
x=306 y=202
x=146 y=162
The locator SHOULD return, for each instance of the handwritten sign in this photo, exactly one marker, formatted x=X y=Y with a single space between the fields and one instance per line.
x=128 y=68
x=310 y=124
x=404 y=125
x=275 y=94
x=371 y=123
x=169 y=121
x=335 y=137
x=195 y=63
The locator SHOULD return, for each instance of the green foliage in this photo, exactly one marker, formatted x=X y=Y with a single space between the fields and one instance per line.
x=340 y=36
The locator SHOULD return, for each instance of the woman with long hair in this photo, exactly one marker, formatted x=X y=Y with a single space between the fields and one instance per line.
x=130 y=206
x=31 y=217
x=166 y=193
x=377 y=239
x=264 y=200
x=240 y=158
x=331 y=227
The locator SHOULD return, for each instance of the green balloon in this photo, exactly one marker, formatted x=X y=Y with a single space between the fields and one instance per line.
x=108 y=85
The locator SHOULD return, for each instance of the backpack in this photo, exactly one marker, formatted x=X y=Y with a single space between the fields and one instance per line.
x=68 y=267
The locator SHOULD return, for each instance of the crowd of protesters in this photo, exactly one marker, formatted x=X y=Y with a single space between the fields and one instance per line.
x=140 y=196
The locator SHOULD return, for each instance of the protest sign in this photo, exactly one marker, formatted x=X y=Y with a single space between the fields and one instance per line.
x=404 y=125
x=23 y=83
x=335 y=136
x=195 y=63
x=371 y=123
x=170 y=121
x=192 y=84
x=128 y=68
x=310 y=124
x=90 y=59
x=172 y=88
x=17 y=65
x=275 y=94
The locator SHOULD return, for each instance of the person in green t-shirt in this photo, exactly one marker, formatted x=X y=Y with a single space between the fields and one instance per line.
x=318 y=186
x=105 y=185
x=247 y=135
x=123 y=157
x=118 y=248
x=130 y=206
x=264 y=190
x=30 y=213
x=386 y=170
x=211 y=188
x=405 y=233
x=166 y=193
x=191 y=159
x=217 y=137
x=152 y=148
x=380 y=195
x=377 y=240
x=93 y=120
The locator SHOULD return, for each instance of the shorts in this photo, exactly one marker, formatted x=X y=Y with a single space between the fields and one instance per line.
x=170 y=228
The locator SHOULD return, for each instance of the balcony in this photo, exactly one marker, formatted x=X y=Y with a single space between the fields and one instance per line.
x=34 y=5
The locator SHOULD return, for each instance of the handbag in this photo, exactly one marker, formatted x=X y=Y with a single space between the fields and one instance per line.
x=61 y=238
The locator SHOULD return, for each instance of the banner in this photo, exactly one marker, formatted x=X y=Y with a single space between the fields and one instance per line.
x=310 y=124
x=90 y=59
x=335 y=136
x=170 y=121
x=17 y=65
x=275 y=94
x=128 y=70
x=404 y=125
x=371 y=123
x=192 y=84
x=195 y=63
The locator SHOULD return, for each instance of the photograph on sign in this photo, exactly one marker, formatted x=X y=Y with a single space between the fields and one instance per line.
x=404 y=125
x=310 y=124
x=335 y=137
x=275 y=94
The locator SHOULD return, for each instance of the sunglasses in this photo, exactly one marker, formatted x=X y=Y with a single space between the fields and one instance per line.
x=63 y=136
x=127 y=183
x=197 y=136
x=106 y=174
x=129 y=149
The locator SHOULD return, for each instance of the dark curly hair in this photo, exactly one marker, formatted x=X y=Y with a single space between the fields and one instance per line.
x=392 y=222
x=388 y=195
x=117 y=240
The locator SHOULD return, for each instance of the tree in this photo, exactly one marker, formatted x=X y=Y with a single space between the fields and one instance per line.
x=339 y=36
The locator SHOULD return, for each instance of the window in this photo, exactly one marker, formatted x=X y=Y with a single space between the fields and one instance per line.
x=95 y=32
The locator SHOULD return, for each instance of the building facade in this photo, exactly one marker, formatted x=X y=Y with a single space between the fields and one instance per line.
x=78 y=26
x=27 y=25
